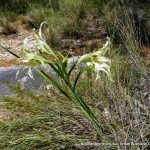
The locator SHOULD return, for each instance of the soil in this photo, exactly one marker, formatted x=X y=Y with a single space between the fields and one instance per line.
x=4 y=114
x=14 y=43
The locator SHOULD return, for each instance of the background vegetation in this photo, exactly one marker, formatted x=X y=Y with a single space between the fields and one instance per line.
x=48 y=120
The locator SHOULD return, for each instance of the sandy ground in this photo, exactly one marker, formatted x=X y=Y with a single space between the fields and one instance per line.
x=4 y=114
x=14 y=43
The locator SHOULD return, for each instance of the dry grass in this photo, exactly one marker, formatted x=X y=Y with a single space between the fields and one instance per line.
x=49 y=121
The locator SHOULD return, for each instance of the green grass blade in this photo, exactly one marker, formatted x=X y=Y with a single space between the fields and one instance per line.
x=72 y=68
x=52 y=81
x=6 y=49
x=77 y=79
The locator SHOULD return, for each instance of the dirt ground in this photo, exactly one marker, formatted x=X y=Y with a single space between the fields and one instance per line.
x=77 y=46
x=14 y=43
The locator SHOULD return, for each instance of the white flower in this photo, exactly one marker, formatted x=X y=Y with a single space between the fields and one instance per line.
x=96 y=60
x=30 y=73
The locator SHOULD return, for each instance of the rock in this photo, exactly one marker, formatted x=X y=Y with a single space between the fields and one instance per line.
x=18 y=75
x=8 y=78
x=4 y=91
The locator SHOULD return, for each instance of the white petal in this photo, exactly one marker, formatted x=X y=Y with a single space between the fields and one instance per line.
x=30 y=73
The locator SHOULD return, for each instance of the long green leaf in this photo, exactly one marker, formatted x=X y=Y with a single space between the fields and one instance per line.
x=87 y=112
x=77 y=79
x=71 y=69
x=51 y=81
x=6 y=49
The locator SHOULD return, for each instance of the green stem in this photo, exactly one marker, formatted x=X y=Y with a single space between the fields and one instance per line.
x=75 y=98
x=79 y=102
